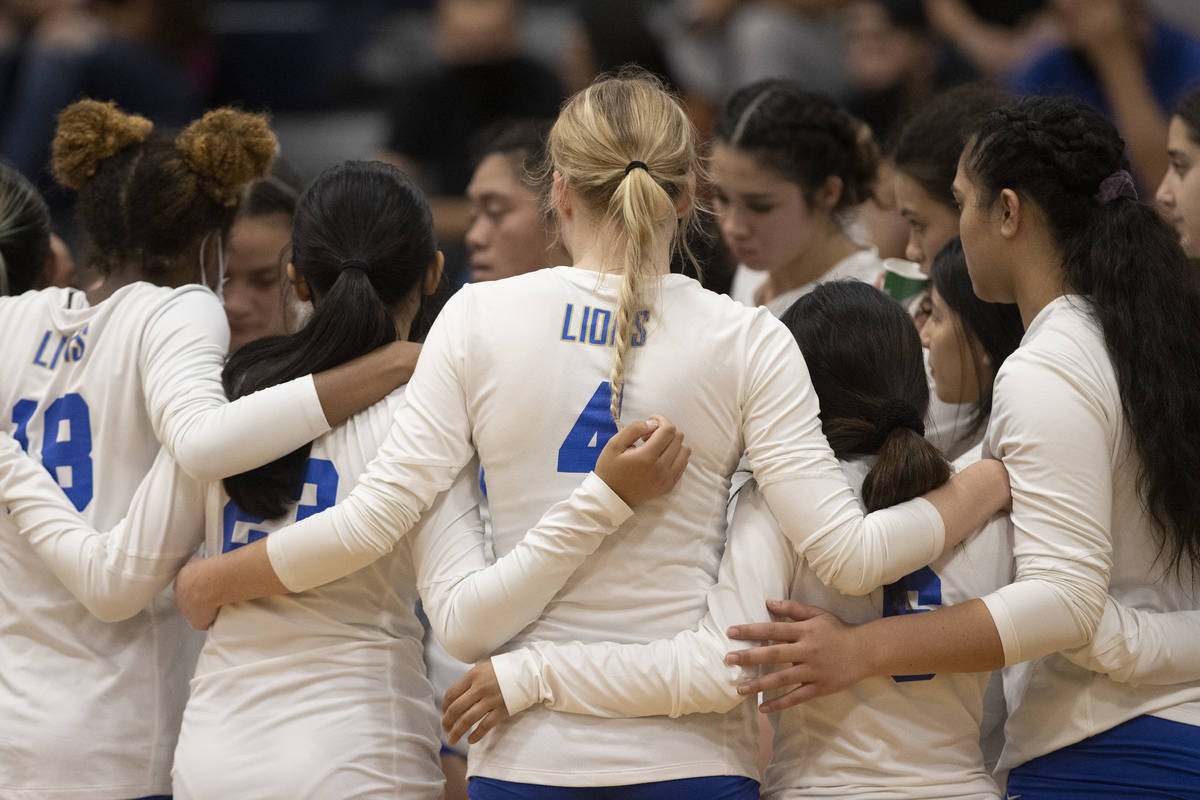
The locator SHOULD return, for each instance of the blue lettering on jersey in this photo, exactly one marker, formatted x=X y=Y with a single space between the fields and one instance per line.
x=597 y=326
x=602 y=336
x=639 y=325
x=68 y=348
x=319 y=473
x=66 y=443
x=914 y=593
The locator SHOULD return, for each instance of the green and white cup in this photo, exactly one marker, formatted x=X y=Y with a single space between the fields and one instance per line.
x=903 y=279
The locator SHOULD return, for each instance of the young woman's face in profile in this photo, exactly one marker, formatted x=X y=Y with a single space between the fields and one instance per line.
x=507 y=235
x=930 y=223
x=764 y=218
x=254 y=271
x=1179 y=193
x=955 y=357
x=983 y=246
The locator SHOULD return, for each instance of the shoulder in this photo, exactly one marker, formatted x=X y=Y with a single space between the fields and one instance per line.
x=1060 y=371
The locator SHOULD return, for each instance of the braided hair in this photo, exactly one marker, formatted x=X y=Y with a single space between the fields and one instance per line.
x=803 y=136
x=1127 y=260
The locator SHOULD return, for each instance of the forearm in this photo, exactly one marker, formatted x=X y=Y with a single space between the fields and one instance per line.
x=1135 y=110
x=1143 y=647
x=970 y=498
x=356 y=385
x=461 y=593
x=669 y=677
x=959 y=638
x=117 y=573
x=848 y=551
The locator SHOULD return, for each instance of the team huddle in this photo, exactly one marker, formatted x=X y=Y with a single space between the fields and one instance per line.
x=947 y=543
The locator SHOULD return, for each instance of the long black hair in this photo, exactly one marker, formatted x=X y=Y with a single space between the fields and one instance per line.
x=362 y=240
x=24 y=232
x=864 y=358
x=1127 y=260
x=931 y=141
x=996 y=326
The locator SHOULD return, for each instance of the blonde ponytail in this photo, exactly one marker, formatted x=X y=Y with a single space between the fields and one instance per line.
x=627 y=148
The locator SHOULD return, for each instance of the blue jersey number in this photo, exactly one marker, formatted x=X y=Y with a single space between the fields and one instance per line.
x=318 y=472
x=916 y=592
x=590 y=433
x=66 y=443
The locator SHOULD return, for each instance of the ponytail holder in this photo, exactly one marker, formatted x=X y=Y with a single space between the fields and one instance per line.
x=895 y=414
x=354 y=263
x=632 y=165
x=1119 y=184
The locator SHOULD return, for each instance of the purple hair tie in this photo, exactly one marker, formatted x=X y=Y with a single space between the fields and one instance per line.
x=1119 y=184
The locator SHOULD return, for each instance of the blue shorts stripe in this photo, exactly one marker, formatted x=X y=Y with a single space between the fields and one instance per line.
x=1147 y=757
x=719 y=787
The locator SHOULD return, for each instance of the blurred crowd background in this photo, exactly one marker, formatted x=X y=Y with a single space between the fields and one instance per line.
x=419 y=82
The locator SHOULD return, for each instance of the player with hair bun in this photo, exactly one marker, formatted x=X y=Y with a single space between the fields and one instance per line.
x=94 y=384
x=788 y=168
x=573 y=351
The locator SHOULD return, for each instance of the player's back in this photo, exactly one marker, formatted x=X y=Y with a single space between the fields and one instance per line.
x=535 y=362
x=322 y=693
x=908 y=736
x=84 y=703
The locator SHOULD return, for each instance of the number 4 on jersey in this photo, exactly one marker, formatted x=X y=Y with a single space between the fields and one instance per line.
x=590 y=433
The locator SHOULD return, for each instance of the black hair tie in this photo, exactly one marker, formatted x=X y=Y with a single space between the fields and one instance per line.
x=632 y=165
x=895 y=414
x=354 y=263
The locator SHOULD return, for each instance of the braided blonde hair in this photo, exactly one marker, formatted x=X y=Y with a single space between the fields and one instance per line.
x=628 y=150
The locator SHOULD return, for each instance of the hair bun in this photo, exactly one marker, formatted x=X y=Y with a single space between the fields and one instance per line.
x=88 y=132
x=228 y=149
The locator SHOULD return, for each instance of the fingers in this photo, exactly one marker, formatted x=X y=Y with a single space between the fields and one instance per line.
x=455 y=692
x=794 y=698
x=786 y=678
x=797 y=611
x=628 y=435
x=490 y=720
x=680 y=464
x=766 y=632
x=458 y=726
x=771 y=654
x=659 y=440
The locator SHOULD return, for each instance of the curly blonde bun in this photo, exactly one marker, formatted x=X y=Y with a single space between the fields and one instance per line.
x=88 y=132
x=228 y=150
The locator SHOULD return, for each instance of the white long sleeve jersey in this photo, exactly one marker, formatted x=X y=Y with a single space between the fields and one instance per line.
x=516 y=370
x=90 y=710
x=1080 y=533
x=889 y=738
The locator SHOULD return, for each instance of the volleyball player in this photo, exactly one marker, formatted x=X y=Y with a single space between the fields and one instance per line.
x=903 y=736
x=1179 y=192
x=520 y=349
x=1089 y=417
x=788 y=167
x=94 y=382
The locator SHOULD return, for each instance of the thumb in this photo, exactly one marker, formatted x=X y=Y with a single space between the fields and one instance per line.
x=794 y=610
x=629 y=435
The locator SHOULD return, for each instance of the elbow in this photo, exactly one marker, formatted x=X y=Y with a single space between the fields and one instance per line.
x=464 y=646
x=200 y=462
x=114 y=609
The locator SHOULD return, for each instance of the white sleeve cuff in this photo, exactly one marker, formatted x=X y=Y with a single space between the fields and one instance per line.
x=519 y=680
